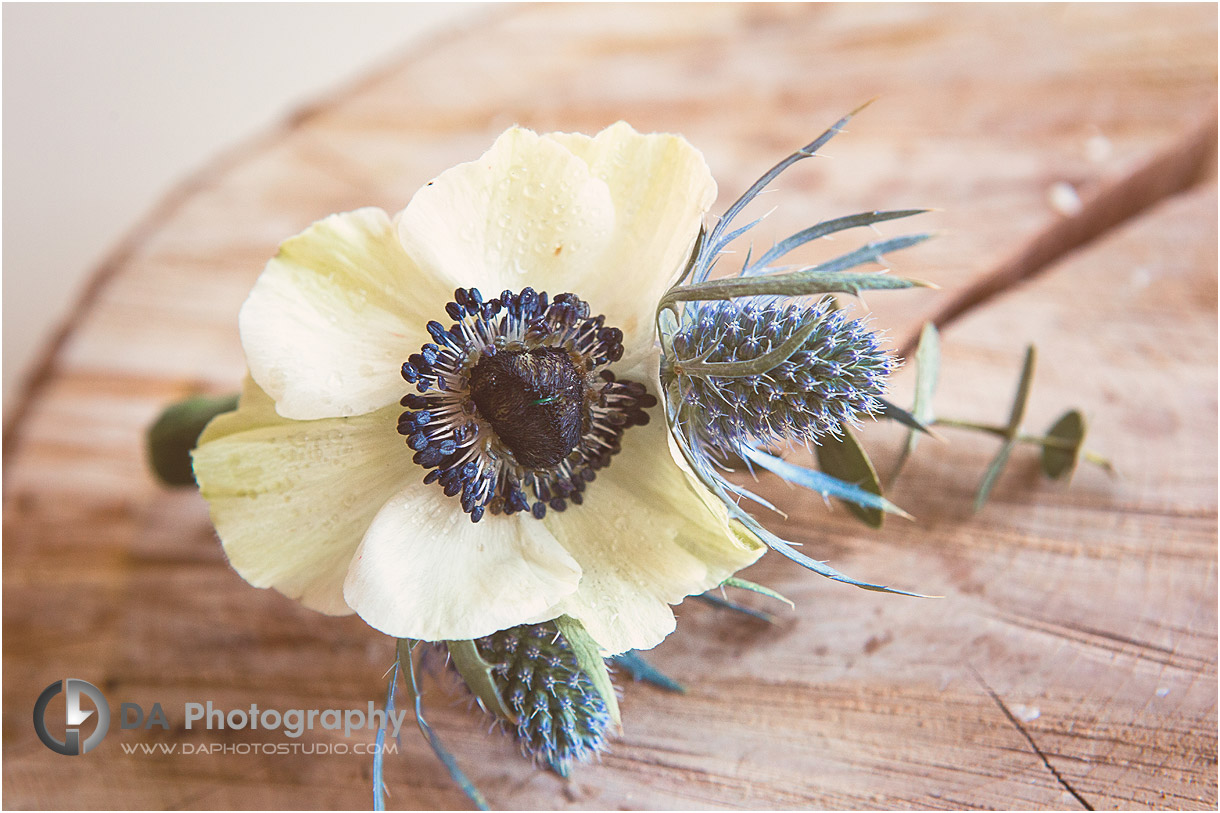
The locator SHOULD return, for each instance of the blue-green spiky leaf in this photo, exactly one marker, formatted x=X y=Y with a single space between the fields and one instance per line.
x=762 y=590
x=823 y=483
x=641 y=669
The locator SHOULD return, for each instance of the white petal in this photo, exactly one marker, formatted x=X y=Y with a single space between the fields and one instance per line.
x=291 y=500
x=661 y=187
x=527 y=212
x=610 y=218
x=425 y=571
x=335 y=314
x=645 y=538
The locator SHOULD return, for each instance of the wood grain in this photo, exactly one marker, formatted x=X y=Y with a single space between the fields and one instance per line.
x=1072 y=661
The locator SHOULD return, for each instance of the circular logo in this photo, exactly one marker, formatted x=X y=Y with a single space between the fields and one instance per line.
x=71 y=745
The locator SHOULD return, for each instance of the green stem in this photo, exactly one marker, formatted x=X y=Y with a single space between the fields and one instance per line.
x=1046 y=442
x=1002 y=432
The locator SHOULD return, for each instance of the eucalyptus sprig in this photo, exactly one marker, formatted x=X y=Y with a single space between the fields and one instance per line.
x=1062 y=446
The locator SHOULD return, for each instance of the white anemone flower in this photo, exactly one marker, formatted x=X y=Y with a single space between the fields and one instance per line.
x=433 y=523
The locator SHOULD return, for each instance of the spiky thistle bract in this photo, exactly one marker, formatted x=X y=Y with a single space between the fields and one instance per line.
x=749 y=364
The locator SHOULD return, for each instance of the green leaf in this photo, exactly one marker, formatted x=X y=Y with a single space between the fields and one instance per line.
x=479 y=678
x=742 y=584
x=844 y=458
x=1011 y=431
x=1022 y=397
x=992 y=474
x=927 y=374
x=589 y=658
x=1069 y=431
x=173 y=436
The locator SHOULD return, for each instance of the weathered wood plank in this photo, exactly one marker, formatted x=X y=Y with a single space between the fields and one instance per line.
x=1088 y=613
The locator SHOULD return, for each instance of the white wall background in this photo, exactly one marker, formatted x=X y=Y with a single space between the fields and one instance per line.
x=106 y=106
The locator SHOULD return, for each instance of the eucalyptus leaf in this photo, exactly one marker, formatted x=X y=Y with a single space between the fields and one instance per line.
x=479 y=678
x=842 y=457
x=927 y=375
x=641 y=669
x=992 y=474
x=589 y=658
x=742 y=584
x=1060 y=460
x=1021 y=399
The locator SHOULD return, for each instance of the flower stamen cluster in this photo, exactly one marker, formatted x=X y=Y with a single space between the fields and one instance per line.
x=516 y=409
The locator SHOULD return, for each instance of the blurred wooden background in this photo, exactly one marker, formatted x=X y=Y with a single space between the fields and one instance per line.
x=1072 y=661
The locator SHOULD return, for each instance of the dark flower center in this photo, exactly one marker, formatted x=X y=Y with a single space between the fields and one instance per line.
x=517 y=409
x=534 y=400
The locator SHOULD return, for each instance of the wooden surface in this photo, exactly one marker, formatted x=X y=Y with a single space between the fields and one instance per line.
x=1072 y=661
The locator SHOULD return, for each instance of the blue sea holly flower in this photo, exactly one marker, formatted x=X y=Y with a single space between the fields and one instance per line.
x=764 y=358
x=451 y=422
x=558 y=714
x=836 y=376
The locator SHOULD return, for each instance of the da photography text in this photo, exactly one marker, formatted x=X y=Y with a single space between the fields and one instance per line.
x=205 y=715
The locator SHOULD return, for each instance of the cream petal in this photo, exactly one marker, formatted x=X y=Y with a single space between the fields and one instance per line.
x=645 y=539
x=425 y=571
x=291 y=500
x=335 y=314
x=610 y=218
x=661 y=187
x=527 y=212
